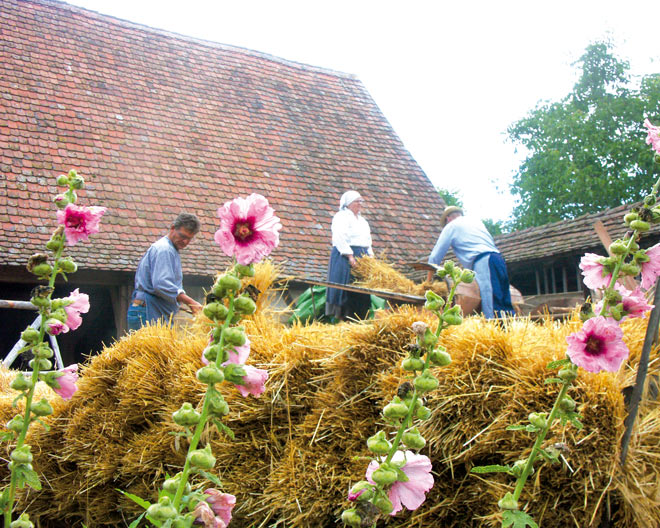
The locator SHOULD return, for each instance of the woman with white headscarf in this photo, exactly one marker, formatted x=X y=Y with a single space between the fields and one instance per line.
x=351 y=239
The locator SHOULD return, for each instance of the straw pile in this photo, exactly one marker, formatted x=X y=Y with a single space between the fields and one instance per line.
x=294 y=454
x=378 y=274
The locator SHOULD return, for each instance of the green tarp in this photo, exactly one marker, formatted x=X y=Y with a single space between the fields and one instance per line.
x=310 y=307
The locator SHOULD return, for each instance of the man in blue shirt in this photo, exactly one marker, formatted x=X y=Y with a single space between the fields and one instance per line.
x=159 y=279
x=475 y=249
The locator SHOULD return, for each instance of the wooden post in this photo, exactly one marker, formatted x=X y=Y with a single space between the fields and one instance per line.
x=554 y=281
x=538 y=281
x=564 y=279
x=605 y=238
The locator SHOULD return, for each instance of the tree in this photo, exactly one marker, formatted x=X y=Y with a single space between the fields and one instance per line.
x=450 y=196
x=586 y=152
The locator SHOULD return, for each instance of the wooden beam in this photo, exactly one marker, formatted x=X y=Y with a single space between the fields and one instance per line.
x=605 y=238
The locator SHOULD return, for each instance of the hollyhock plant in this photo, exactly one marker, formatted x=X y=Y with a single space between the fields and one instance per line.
x=205 y=517
x=79 y=303
x=67 y=381
x=222 y=504
x=651 y=269
x=80 y=221
x=653 y=137
x=594 y=272
x=249 y=229
x=253 y=381
x=633 y=303
x=598 y=345
x=412 y=493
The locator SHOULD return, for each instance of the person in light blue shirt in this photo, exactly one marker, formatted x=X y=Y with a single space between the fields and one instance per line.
x=475 y=249
x=159 y=279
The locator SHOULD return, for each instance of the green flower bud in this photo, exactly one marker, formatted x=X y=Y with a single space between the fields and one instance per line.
x=43 y=351
x=640 y=225
x=218 y=291
x=434 y=306
x=61 y=201
x=245 y=305
x=518 y=467
x=453 y=316
x=162 y=510
x=59 y=314
x=67 y=265
x=186 y=416
x=211 y=353
x=210 y=375
x=350 y=517
x=229 y=282
x=16 y=424
x=40 y=302
x=202 y=458
x=467 y=276
x=63 y=180
x=616 y=311
x=41 y=408
x=630 y=217
x=426 y=382
x=413 y=439
x=171 y=485
x=383 y=503
x=538 y=420
x=235 y=336
x=439 y=357
x=384 y=475
x=35 y=261
x=42 y=270
x=22 y=522
x=428 y=340
x=649 y=200
x=234 y=373
x=77 y=182
x=508 y=502
x=40 y=364
x=630 y=269
x=395 y=409
x=641 y=257
x=618 y=248
x=430 y=295
x=30 y=335
x=216 y=311
x=20 y=383
x=423 y=413
x=567 y=404
x=365 y=487
x=379 y=444
x=568 y=374
x=413 y=364
x=244 y=271
x=217 y=405
x=22 y=455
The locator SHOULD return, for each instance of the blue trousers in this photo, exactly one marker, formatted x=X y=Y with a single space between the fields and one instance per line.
x=136 y=317
x=493 y=280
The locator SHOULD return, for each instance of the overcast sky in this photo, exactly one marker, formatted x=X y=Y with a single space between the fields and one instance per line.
x=449 y=78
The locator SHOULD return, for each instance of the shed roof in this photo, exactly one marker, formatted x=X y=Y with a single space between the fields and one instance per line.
x=158 y=123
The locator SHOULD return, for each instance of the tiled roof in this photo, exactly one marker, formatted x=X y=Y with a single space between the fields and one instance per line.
x=158 y=123
x=565 y=237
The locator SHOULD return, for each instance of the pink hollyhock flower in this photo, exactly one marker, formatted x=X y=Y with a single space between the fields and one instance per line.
x=651 y=269
x=67 y=382
x=354 y=496
x=56 y=327
x=410 y=494
x=634 y=302
x=253 y=381
x=215 y=510
x=653 y=137
x=598 y=345
x=248 y=230
x=239 y=355
x=204 y=516
x=79 y=304
x=79 y=222
x=592 y=270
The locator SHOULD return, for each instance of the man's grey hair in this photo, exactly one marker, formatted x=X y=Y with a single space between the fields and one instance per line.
x=187 y=221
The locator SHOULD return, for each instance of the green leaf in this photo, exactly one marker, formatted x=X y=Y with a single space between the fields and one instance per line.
x=29 y=477
x=516 y=427
x=222 y=428
x=136 y=522
x=210 y=476
x=517 y=519
x=494 y=468
x=137 y=500
x=556 y=364
x=553 y=380
x=7 y=436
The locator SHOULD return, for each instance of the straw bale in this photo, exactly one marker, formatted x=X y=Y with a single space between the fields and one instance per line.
x=378 y=274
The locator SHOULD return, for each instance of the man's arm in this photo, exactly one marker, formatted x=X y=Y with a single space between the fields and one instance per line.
x=183 y=297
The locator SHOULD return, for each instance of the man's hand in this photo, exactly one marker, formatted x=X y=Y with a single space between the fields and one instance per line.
x=351 y=260
x=195 y=306
x=192 y=303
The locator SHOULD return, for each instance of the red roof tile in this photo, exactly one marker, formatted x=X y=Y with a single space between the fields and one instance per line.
x=158 y=123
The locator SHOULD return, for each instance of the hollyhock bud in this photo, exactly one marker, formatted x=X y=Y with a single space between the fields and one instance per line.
x=630 y=217
x=40 y=302
x=35 y=261
x=618 y=248
x=568 y=374
x=229 y=282
x=77 y=182
x=162 y=510
x=630 y=269
x=56 y=327
x=40 y=364
x=67 y=265
x=30 y=335
x=216 y=311
x=518 y=467
x=244 y=271
x=42 y=408
x=567 y=404
x=63 y=180
x=235 y=336
x=217 y=405
x=640 y=225
x=434 y=306
x=467 y=276
x=538 y=420
x=22 y=455
x=15 y=424
x=59 y=314
x=413 y=439
x=640 y=257
x=171 y=485
x=211 y=353
x=361 y=491
x=243 y=304
x=22 y=522
x=649 y=200
x=21 y=383
x=419 y=328
x=428 y=340
x=383 y=503
x=453 y=316
x=423 y=413
x=202 y=458
x=413 y=364
x=379 y=444
x=234 y=373
x=426 y=382
x=384 y=475
x=186 y=416
x=61 y=201
x=350 y=517
x=395 y=409
x=439 y=357
x=210 y=375
x=42 y=351
x=508 y=502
